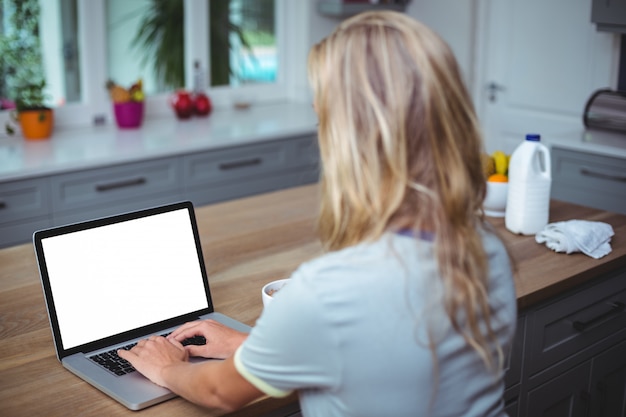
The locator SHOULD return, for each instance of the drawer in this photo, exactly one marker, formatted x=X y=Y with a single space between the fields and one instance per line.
x=73 y=216
x=576 y=322
x=22 y=231
x=24 y=199
x=233 y=164
x=304 y=152
x=596 y=172
x=106 y=186
x=213 y=193
x=590 y=180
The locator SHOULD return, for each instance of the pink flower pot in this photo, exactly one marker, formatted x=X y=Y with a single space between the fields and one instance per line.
x=129 y=115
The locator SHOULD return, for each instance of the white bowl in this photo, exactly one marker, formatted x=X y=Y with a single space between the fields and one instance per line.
x=495 y=199
x=270 y=288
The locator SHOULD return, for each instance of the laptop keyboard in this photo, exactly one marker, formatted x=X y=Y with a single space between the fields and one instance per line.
x=110 y=359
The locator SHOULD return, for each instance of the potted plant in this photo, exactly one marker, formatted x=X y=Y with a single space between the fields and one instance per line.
x=35 y=118
x=22 y=70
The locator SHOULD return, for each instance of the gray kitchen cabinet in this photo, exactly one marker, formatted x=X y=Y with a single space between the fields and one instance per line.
x=204 y=177
x=87 y=194
x=24 y=207
x=608 y=383
x=572 y=324
x=240 y=171
x=513 y=365
x=574 y=353
x=563 y=396
x=609 y=15
x=587 y=179
x=511 y=403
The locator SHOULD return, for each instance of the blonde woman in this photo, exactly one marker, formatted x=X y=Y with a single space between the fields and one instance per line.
x=412 y=309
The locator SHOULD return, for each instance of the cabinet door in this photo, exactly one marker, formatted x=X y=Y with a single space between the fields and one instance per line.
x=564 y=396
x=608 y=383
x=24 y=208
x=572 y=324
x=608 y=13
x=520 y=87
x=512 y=401
x=27 y=199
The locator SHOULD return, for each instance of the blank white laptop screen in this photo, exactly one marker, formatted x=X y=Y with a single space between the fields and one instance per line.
x=122 y=276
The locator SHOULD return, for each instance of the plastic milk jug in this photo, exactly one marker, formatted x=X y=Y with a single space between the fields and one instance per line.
x=528 y=200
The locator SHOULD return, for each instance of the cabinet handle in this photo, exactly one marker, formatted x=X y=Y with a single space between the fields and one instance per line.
x=131 y=182
x=616 y=307
x=604 y=175
x=240 y=164
x=3 y=205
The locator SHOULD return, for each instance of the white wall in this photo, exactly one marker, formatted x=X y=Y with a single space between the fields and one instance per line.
x=454 y=21
x=451 y=19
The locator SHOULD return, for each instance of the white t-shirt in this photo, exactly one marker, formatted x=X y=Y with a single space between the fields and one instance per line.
x=350 y=333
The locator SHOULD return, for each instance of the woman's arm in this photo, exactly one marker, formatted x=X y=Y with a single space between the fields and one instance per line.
x=211 y=383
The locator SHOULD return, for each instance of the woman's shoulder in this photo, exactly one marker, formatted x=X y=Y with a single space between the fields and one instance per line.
x=390 y=255
x=388 y=247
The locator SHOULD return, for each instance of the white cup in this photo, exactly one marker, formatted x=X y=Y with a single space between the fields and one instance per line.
x=271 y=288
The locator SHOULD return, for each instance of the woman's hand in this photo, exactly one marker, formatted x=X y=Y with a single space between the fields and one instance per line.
x=210 y=383
x=221 y=340
x=152 y=355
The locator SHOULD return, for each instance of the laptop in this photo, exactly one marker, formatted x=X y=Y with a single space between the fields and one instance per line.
x=113 y=281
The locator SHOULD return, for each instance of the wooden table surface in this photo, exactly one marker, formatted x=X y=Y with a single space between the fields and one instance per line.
x=246 y=243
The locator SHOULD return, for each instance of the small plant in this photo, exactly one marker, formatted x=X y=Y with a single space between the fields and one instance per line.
x=31 y=96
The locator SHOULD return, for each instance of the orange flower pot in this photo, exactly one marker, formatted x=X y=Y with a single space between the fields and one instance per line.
x=36 y=124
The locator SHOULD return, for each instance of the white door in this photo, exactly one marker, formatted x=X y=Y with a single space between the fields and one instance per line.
x=538 y=63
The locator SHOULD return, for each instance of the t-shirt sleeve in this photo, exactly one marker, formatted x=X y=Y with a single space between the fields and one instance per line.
x=291 y=346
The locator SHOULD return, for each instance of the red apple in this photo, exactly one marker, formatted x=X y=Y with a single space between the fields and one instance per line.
x=183 y=104
x=202 y=104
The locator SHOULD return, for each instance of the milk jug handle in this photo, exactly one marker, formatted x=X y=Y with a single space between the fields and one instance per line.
x=547 y=163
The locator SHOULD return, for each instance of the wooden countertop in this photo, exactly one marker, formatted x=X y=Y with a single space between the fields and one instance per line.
x=246 y=243
x=543 y=273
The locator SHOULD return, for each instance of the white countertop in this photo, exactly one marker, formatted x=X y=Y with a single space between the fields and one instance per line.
x=600 y=142
x=76 y=149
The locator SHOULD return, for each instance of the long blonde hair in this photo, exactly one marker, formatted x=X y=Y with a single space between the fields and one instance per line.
x=401 y=148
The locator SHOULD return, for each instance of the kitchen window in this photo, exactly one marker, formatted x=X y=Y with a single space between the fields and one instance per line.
x=233 y=49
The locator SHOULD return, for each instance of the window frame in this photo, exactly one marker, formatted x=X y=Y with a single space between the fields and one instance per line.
x=291 y=18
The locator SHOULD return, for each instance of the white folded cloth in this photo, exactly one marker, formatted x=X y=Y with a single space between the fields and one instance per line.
x=588 y=237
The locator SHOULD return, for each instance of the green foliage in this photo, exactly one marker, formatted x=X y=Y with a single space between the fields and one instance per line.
x=21 y=65
x=161 y=38
x=259 y=38
x=31 y=96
